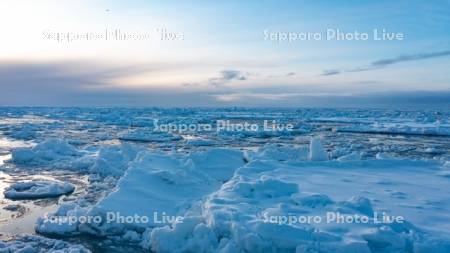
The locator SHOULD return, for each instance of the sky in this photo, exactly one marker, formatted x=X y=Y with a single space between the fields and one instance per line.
x=225 y=53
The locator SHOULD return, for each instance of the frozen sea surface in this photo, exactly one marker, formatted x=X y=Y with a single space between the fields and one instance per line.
x=210 y=190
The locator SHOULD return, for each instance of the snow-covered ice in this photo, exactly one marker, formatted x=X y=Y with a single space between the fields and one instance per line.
x=247 y=213
x=316 y=150
x=222 y=191
x=38 y=244
x=45 y=152
x=409 y=128
x=158 y=183
x=38 y=189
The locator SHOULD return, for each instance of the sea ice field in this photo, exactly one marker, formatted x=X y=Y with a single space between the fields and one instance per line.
x=198 y=180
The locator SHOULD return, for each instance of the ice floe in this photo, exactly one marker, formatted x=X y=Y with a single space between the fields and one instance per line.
x=148 y=135
x=407 y=128
x=39 y=244
x=317 y=151
x=113 y=160
x=38 y=189
x=249 y=213
x=45 y=152
x=156 y=184
x=280 y=152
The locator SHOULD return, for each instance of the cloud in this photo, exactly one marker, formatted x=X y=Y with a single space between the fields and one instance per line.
x=258 y=96
x=388 y=61
x=393 y=99
x=268 y=96
x=330 y=72
x=227 y=76
x=41 y=83
x=282 y=75
x=81 y=83
x=190 y=84
x=57 y=75
x=413 y=57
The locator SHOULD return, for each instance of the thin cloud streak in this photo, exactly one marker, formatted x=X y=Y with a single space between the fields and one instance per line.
x=228 y=76
x=414 y=57
x=244 y=96
x=412 y=99
x=389 y=61
x=235 y=97
x=330 y=72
